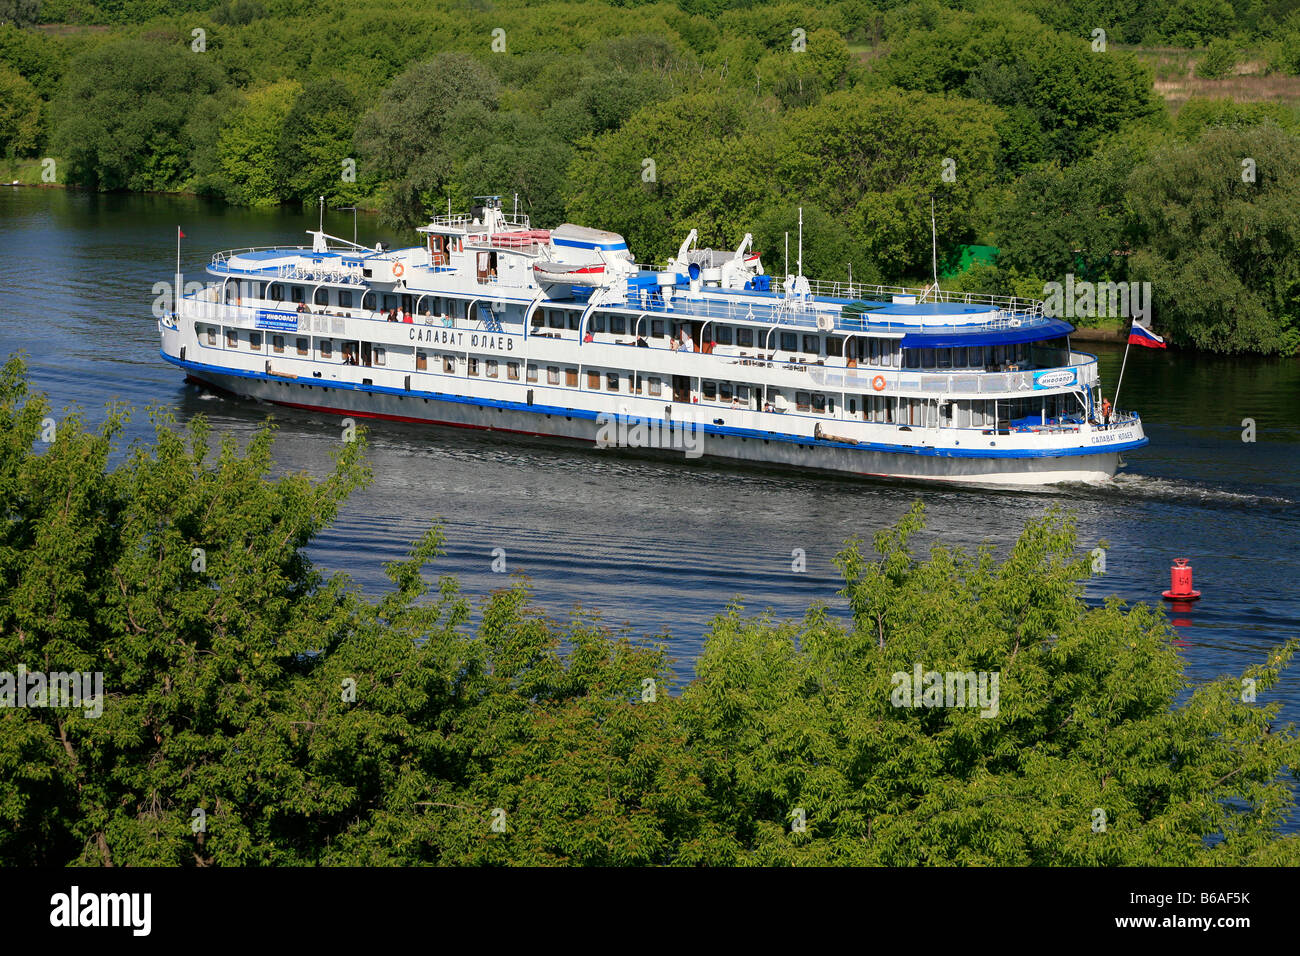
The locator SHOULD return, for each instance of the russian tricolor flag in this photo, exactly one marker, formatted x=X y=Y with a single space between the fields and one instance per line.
x=1139 y=335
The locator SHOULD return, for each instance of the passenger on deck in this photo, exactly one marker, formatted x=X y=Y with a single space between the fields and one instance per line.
x=406 y=317
x=641 y=343
x=391 y=316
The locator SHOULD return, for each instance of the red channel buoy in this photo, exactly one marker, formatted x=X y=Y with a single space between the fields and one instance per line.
x=1180 y=582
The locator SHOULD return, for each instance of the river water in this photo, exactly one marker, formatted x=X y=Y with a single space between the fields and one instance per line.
x=660 y=546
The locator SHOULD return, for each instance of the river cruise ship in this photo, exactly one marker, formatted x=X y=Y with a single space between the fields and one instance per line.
x=493 y=324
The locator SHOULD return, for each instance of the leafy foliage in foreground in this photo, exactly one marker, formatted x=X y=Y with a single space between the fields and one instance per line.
x=227 y=692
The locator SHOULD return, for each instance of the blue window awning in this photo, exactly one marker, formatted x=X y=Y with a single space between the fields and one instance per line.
x=943 y=338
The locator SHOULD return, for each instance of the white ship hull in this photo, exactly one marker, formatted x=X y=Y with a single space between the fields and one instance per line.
x=809 y=454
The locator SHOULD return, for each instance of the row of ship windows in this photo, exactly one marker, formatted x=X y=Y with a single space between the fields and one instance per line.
x=983 y=413
x=347 y=299
x=881 y=352
x=555 y=374
x=745 y=337
x=377 y=354
x=874 y=351
x=877 y=408
x=971 y=357
x=727 y=393
x=365 y=353
x=993 y=356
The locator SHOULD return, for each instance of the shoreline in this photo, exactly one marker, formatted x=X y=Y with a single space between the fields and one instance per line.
x=1098 y=335
x=19 y=184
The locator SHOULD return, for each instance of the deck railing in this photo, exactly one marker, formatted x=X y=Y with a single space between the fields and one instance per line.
x=1119 y=419
x=804 y=313
x=220 y=258
x=870 y=291
x=349 y=275
x=465 y=221
x=959 y=382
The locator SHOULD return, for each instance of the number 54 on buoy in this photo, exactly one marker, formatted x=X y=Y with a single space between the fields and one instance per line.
x=1180 y=582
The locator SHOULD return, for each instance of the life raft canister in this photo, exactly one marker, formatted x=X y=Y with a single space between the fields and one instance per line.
x=398 y=269
x=878 y=383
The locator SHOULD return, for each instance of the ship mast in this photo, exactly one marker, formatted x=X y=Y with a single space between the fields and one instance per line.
x=801 y=241
x=934 y=250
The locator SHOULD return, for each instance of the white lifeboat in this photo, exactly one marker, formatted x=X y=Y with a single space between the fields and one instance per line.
x=551 y=274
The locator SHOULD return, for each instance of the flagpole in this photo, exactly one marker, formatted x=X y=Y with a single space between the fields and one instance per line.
x=179 y=287
x=1120 y=382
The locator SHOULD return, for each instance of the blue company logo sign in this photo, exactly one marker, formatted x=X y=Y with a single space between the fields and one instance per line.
x=277 y=321
x=1056 y=378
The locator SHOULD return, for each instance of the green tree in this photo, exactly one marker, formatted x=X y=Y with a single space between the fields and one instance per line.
x=1007 y=58
x=601 y=100
x=313 y=154
x=310 y=724
x=405 y=135
x=238 y=12
x=1198 y=114
x=1218 y=237
x=874 y=161
x=1285 y=55
x=828 y=250
x=249 y=142
x=798 y=78
x=514 y=153
x=20 y=13
x=1219 y=59
x=39 y=57
x=1070 y=220
x=1197 y=22
x=120 y=119
x=631 y=179
x=20 y=115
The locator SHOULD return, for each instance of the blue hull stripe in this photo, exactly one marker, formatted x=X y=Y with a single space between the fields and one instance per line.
x=588 y=244
x=708 y=429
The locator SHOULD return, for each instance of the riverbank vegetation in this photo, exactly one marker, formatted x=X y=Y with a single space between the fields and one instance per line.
x=258 y=711
x=1065 y=135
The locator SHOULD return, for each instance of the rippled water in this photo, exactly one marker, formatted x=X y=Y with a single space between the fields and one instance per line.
x=662 y=544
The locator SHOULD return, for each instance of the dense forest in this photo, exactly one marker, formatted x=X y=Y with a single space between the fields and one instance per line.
x=256 y=711
x=1036 y=127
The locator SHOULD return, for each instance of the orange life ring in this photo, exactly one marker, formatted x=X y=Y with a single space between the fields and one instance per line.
x=398 y=269
x=878 y=383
